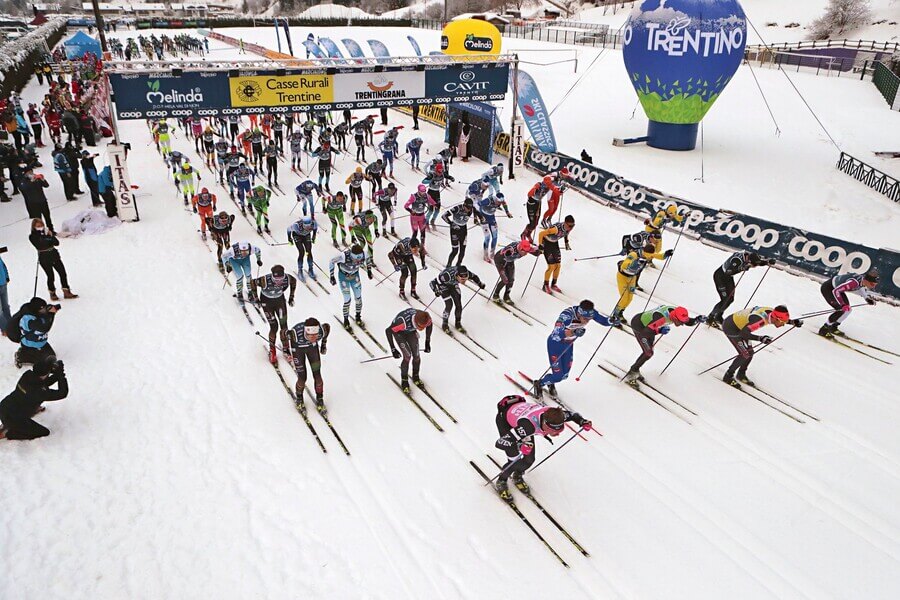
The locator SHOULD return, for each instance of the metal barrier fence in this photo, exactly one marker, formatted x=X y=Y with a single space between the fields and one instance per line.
x=888 y=83
x=852 y=44
x=547 y=31
x=870 y=176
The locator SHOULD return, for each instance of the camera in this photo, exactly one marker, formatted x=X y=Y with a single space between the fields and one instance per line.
x=4 y=249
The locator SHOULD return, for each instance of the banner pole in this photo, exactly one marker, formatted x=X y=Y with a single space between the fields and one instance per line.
x=512 y=118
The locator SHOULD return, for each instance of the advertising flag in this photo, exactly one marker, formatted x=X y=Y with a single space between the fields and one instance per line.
x=535 y=113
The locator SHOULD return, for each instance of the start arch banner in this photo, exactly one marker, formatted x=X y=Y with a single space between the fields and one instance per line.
x=209 y=93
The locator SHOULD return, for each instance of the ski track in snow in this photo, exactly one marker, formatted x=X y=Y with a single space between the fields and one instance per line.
x=179 y=467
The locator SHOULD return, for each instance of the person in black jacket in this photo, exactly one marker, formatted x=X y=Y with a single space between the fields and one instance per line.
x=32 y=186
x=49 y=258
x=739 y=262
x=35 y=319
x=24 y=402
x=73 y=153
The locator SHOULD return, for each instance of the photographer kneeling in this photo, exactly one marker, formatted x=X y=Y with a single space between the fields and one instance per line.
x=33 y=389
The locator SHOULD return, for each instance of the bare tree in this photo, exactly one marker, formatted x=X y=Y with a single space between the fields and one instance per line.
x=840 y=16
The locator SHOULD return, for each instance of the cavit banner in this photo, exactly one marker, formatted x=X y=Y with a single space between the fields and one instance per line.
x=535 y=113
x=804 y=250
x=140 y=96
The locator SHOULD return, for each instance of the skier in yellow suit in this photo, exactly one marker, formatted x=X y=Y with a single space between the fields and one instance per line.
x=629 y=270
x=659 y=222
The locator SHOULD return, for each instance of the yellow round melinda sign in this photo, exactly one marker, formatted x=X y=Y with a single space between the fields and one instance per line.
x=470 y=36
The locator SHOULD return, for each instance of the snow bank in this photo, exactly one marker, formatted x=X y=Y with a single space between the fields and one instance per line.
x=334 y=11
x=88 y=222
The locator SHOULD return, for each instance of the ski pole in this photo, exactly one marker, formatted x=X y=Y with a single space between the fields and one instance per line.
x=268 y=341
x=757 y=286
x=825 y=312
x=280 y=244
x=754 y=348
x=475 y=293
x=37 y=265
x=693 y=331
x=596 y=257
x=368 y=360
x=494 y=290
x=666 y=264
x=320 y=269
x=508 y=467
x=563 y=445
x=385 y=278
x=605 y=335
x=525 y=289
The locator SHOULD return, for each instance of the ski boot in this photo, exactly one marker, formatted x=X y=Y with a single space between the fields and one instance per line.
x=459 y=327
x=742 y=377
x=320 y=405
x=243 y=211
x=837 y=332
x=445 y=327
x=507 y=299
x=404 y=386
x=495 y=297
x=18 y=360
x=520 y=483
x=347 y=323
x=729 y=379
x=240 y=296
x=266 y=228
x=203 y=235
x=617 y=314
x=551 y=389
x=413 y=293
x=546 y=288
x=393 y=232
x=502 y=489
x=826 y=331
x=185 y=201
x=383 y=232
x=259 y=230
x=417 y=382
x=301 y=276
x=334 y=242
x=555 y=287
x=53 y=295
x=250 y=208
x=402 y=294
x=273 y=358
x=359 y=320
x=633 y=376
x=487 y=257
x=312 y=273
x=536 y=390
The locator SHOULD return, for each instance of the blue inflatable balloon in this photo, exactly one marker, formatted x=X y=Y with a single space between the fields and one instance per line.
x=680 y=55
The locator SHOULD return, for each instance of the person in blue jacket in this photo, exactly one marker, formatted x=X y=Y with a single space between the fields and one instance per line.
x=5 y=315
x=34 y=327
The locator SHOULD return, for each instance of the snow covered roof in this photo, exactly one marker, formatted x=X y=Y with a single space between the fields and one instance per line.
x=332 y=11
x=487 y=16
x=105 y=6
x=148 y=6
x=190 y=6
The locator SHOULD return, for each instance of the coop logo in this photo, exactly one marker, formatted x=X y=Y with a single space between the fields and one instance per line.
x=156 y=97
x=676 y=40
x=830 y=256
x=752 y=234
x=478 y=44
x=467 y=83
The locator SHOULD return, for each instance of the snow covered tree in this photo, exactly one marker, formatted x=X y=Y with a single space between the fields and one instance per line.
x=840 y=16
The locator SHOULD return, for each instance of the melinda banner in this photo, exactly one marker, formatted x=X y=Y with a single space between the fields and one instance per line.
x=202 y=93
x=806 y=251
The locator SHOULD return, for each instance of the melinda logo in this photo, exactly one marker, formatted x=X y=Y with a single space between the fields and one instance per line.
x=154 y=96
x=478 y=44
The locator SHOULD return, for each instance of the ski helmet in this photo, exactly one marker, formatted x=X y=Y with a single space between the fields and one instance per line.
x=564 y=172
x=548 y=180
x=421 y=320
x=204 y=191
x=500 y=195
x=871 y=276
x=414 y=242
x=462 y=271
x=278 y=270
x=585 y=309
x=359 y=169
x=780 y=313
x=468 y=203
x=524 y=245
x=311 y=328
x=422 y=189
x=307 y=220
x=679 y=314
x=672 y=210
x=439 y=167
x=45 y=365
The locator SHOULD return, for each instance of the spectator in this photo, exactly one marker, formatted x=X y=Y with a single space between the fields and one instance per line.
x=88 y=127
x=34 y=119
x=89 y=170
x=5 y=316
x=32 y=186
x=18 y=409
x=105 y=185
x=73 y=153
x=70 y=124
x=64 y=170
x=415 y=116
x=585 y=157
x=462 y=147
x=35 y=320
x=49 y=259
x=22 y=134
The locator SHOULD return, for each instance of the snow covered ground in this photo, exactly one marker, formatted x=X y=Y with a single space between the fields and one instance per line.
x=179 y=468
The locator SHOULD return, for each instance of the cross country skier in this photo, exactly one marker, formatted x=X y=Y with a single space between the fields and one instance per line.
x=348 y=264
x=221 y=147
x=256 y=142
x=437 y=180
x=404 y=329
x=487 y=210
x=186 y=177
x=647 y=325
x=505 y=261
x=271 y=154
x=234 y=122
x=386 y=200
x=296 y=141
x=355 y=181
x=402 y=257
x=307 y=342
x=237 y=259
x=659 y=222
x=209 y=139
x=723 y=277
x=308 y=126
x=302 y=234
x=446 y=285
x=417 y=205
x=475 y=191
x=739 y=328
x=335 y=207
x=340 y=136
x=570 y=325
x=374 y=173
x=360 y=232
x=271 y=298
x=233 y=160
x=369 y=122
x=533 y=204
x=629 y=270
x=204 y=205
x=835 y=292
x=162 y=135
x=494 y=177
x=636 y=242
x=304 y=193
x=259 y=199
x=560 y=181
x=518 y=423
x=359 y=137
x=323 y=155
x=241 y=179
x=548 y=243
x=388 y=148
x=414 y=148
x=458 y=220
x=220 y=229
